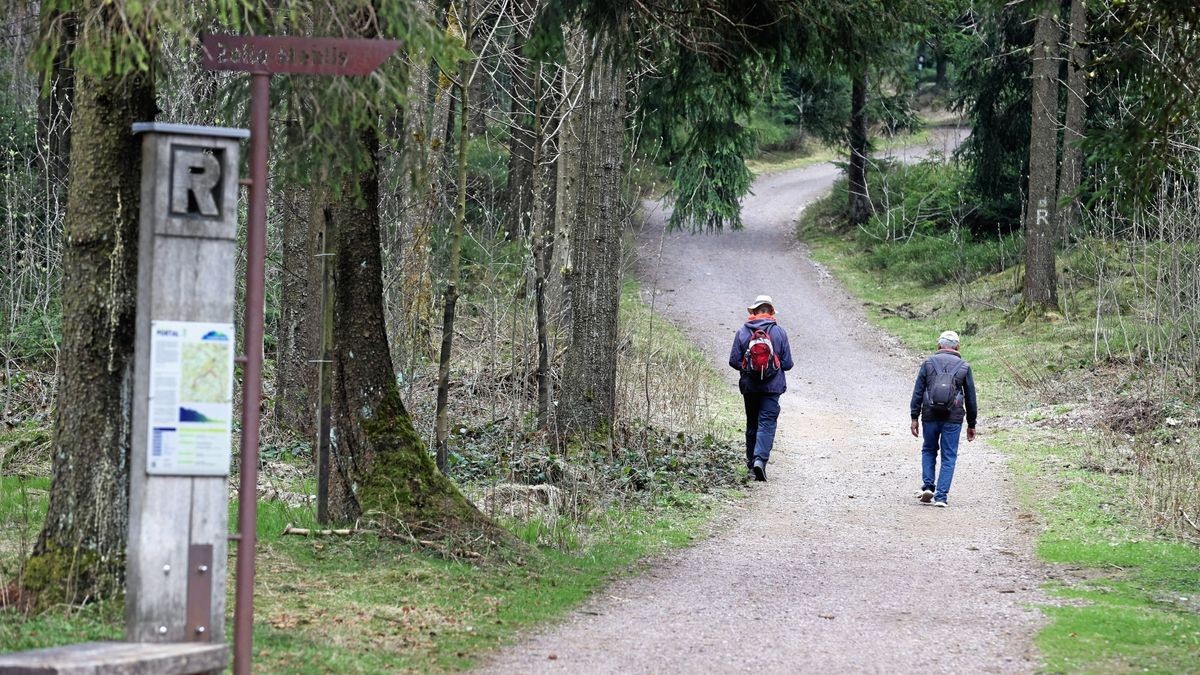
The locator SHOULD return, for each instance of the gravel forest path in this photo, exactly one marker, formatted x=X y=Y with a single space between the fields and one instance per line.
x=831 y=565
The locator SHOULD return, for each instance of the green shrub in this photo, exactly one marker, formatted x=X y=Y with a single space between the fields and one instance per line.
x=933 y=259
x=926 y=228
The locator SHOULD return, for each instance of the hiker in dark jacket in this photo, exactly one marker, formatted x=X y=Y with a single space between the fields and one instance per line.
x=943 y=396
x=762 y=364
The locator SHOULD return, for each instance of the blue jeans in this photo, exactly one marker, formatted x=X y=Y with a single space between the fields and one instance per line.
x=944 y=435
x=762 y=412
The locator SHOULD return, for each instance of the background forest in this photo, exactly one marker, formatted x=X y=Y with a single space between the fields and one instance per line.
x=451 y=300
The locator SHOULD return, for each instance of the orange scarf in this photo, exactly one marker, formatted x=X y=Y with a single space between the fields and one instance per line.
x=762 y=315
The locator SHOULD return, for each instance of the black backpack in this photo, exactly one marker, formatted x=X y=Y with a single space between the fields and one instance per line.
x=941 y=390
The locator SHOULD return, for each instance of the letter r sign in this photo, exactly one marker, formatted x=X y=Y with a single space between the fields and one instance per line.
x=195 y=182
x=191 y=179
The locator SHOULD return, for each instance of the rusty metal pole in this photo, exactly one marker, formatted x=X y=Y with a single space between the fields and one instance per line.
x=261 y=55
x=325 y=373
x=256 y=254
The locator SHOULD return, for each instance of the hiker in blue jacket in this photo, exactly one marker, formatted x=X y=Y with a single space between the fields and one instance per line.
x=761 y=352
x=942 y=397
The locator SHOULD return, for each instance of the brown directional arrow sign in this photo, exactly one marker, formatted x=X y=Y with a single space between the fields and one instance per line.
x=301 y=55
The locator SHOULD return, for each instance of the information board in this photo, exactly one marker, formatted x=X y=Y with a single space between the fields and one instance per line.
x=191 y=398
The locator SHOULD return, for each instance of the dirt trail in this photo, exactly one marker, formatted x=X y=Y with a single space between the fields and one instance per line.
x=831 y=565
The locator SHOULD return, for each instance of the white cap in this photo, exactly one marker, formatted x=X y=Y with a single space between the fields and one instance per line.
x=760 y=301
x=948 y=338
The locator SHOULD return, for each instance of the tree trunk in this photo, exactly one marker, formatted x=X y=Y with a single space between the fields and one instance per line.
x=299 y=329
x=409 y=286
x=1073 y=133
x=380 y=470
x=860 y=201
x=589 y=374
x=521 y=153
x=450 y=300
x=81 y=549
x=566 y=183
x=940 y=81
x=542 y=235
x=1040 y=230
x=416 y=299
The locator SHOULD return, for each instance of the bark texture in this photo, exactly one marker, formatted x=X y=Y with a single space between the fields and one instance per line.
x=81 y=549
x=299 y=329
x=1073 y=132
x=1040 y=291
x=856 y=172
x=542 y=227
x=597 y=222
x=566 y=170
x=380 y=470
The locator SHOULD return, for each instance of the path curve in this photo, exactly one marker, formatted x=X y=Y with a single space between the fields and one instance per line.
x=831 y=565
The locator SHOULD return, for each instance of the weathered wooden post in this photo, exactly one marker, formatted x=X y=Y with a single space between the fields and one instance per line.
x=182 y=415
x=183 y=389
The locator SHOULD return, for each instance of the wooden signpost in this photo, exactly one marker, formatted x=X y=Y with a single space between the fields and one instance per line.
x=183 y=384
x=182 y=418
x=175 y=567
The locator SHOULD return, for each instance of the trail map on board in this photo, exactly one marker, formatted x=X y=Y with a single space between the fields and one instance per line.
x=191 y=398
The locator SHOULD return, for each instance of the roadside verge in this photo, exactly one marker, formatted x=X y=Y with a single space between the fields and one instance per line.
x=1125 y=595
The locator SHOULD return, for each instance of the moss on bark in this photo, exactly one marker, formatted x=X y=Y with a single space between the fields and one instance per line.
x=405 y=489
x=68 y=575
x=83 y=536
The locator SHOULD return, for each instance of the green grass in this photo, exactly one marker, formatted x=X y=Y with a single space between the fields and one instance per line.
x=686 y=393
x=364 y=604
x=23 y=503
x=774 y=162
x=886 y=143
x=22 y=508
x=61 y=626
x=1136 y=604
x=1128 y=598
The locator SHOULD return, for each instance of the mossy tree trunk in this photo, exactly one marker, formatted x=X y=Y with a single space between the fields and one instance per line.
x=80 y=551
x=588 y=402
x=380 y=471
x=1041 y=282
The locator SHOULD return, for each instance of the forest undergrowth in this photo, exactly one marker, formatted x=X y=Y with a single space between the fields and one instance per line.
x=587 y=510
x=1095 y=406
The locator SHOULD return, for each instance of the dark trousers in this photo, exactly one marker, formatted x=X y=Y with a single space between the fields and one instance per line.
x=762 y=413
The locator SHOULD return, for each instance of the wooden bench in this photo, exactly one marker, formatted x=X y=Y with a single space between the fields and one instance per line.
x=119 y=658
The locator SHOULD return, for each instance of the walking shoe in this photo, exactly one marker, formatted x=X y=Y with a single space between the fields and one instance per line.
x=760 y=470
x=940 y=504
x=925 y=496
